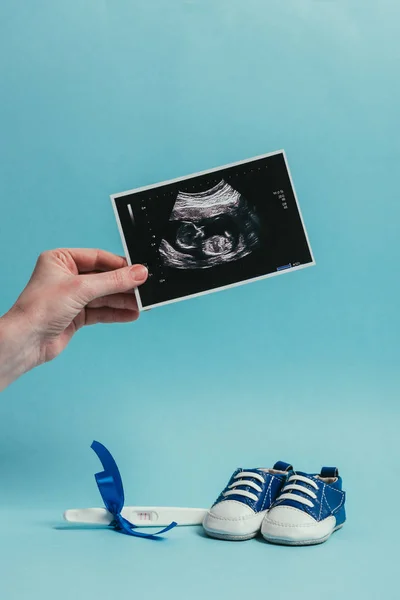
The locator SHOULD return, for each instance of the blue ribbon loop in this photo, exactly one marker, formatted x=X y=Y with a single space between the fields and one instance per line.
x=111 y=490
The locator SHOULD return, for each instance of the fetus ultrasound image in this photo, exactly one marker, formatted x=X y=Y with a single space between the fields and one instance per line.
x=214 y=229
x=210 y=228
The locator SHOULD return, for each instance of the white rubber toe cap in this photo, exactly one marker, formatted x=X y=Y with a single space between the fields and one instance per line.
x=292 y=525
x=231 y=509
x=232 y=518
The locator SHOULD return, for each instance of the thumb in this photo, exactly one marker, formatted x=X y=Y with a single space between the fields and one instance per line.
x=113 y=282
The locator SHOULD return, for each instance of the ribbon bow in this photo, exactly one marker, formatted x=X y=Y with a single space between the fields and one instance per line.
x=111 y=490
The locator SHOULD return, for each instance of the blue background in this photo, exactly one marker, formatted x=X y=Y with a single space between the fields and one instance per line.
x=101 y=96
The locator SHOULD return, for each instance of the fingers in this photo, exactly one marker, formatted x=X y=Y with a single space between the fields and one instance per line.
x=112 y=282
x=91 y=259
x=110 y=315
x=126 y=301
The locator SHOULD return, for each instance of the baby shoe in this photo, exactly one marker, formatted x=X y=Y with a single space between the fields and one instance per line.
x=239 y=510
x=308 y=509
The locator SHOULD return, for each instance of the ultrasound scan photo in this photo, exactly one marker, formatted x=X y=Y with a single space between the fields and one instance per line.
x=213 y=230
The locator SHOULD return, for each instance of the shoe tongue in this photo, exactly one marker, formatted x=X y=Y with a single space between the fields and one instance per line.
x=301 y=482
x=258 y=471
x=255 y=478
x=293 y=473
x=241 y=479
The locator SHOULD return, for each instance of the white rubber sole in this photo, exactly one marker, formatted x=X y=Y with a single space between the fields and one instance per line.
x=230 y=537
x=312 y=542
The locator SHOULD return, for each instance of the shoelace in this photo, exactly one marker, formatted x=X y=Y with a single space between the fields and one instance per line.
x=241 y=480
x=289 y=495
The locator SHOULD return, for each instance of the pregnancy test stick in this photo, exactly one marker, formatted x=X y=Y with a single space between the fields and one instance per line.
x=144 y=516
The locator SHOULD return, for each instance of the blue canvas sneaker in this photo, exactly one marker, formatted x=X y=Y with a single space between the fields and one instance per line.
x=239 y=510
x=308 y=509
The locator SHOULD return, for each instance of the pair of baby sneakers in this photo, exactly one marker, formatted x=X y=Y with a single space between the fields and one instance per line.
x=288 y=507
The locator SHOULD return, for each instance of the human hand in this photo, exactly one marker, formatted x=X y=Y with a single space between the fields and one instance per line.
x=70 y=288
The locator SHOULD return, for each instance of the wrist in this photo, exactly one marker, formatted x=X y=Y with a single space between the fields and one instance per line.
x=19 y=349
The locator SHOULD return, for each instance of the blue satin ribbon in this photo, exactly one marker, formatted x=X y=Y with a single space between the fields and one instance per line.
x=111 y=489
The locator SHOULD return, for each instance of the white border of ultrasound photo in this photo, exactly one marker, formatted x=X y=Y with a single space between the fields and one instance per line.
x=225 y=287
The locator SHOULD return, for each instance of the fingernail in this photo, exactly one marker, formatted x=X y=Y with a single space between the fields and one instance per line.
x=139 y=272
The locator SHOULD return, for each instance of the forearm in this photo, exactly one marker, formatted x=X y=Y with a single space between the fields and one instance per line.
x=17 y=347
